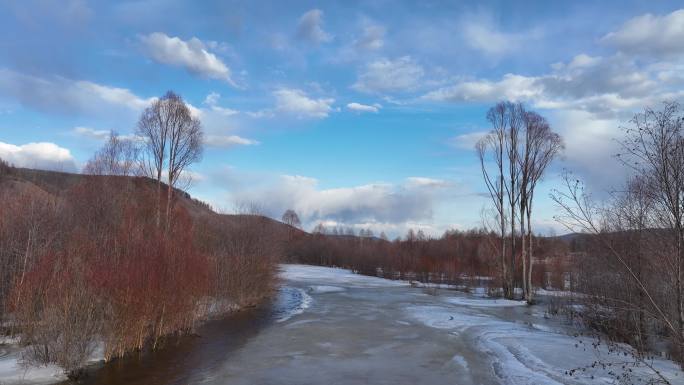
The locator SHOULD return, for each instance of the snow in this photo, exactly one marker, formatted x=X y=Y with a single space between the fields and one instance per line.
x=322 y=289
x=344 y=277
x=13 y=372
x=483 y=302
x=523 y=354
x=558 y=293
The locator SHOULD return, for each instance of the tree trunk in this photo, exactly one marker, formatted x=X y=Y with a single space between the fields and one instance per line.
x=530 y=254
x=522 y=250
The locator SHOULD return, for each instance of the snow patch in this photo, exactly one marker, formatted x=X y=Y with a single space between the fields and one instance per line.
x=483 y=302
x=322 y=289
x=345 y=277
x=13 y=371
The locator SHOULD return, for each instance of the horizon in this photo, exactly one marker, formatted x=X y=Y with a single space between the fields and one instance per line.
x=348 y=114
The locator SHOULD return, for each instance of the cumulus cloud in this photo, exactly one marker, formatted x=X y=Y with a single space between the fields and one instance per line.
x=193 y=55
x=62 y=95
x=650 y=34
x=296 y=102
x=212 y=102
x=310 y=27
x=603 y=86
x=385 y=75
x=228 y=141
x=510 y=87
x=42 y=155
x=590 y=141
x=411 y=201
x=358 y=107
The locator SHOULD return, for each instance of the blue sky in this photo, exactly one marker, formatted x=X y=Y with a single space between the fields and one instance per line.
x=357 y=113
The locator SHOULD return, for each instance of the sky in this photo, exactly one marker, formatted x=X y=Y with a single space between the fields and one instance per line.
x=360 y=114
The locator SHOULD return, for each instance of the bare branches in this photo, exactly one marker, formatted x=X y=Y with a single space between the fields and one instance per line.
x=173 y=141
x=118 y=156
x=513 y=158
x=642 y=228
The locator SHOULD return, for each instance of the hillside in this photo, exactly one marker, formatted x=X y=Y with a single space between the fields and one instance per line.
x=55 y=184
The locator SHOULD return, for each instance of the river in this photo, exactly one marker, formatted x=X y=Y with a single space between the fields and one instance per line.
x=329 y=326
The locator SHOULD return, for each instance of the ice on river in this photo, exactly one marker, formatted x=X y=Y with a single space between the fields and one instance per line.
x=516 y=344
x=334 y=276
x=330 y=325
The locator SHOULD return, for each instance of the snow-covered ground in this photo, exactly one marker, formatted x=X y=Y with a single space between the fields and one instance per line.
x=12 y=371
x=334 y=276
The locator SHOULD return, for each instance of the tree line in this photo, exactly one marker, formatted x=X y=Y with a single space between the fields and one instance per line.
x=462 y=258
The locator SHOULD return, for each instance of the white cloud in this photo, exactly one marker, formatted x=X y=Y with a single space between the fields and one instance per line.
x=296 y=102
x=650 y=34
x=91 y=133
x=510 y=87
x=603 y=86
x=310 y=27
x=358 y=107
x=384 y=75
x=481 y=35
x=227 y=141
x=193 y=55
x=590 y=147
x=372 y=38
x=410 y=201
x=43 y=155
x=212 y=101
x=466 y=141
x=62 y=95
x=420 y=181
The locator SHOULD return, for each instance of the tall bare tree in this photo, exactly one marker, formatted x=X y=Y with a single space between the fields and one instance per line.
x=540 y=147
x=173 y=141
x=491 y=149
x=520 y=146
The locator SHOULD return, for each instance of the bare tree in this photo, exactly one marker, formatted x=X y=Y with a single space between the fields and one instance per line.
x=539 y=148
x=291 y=218
x=651 y=211
x=500 y=146
x=173 y=139
x=493 y=144
x=118 y=156
x=518 y=150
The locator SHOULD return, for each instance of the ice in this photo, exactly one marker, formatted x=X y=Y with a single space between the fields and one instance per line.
x=291 y=301
x=483 y=302
x=334 y=276
x=535 y=354
x=322 y=289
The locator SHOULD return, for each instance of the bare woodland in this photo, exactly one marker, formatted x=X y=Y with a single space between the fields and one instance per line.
x=121 y=256
x=631 y=266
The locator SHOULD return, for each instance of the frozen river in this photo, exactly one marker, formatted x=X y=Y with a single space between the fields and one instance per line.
x=329 y=326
